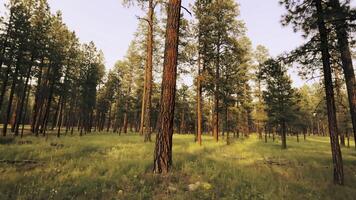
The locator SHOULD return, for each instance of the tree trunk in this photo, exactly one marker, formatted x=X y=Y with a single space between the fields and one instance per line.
x=348 y=138
x=227 y=130
x=149 y=68
x=47 y=107
x=109 y=119
x=329 y=92
x=143 y=105
x=182 y=123
x=216 y=97
x=163 y=148
x=25 y=112
x=4 y=85
x=125 y=124
x=23 y=97
x=11 y=97
x=346 y=58
x=8 y=69
x=199 y=103
x=38 y=101
x=60 y=117
x=284 y=135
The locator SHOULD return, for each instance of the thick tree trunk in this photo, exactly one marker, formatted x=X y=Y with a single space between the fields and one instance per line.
x=346 y=58
x=163 y=148
x=330 y=100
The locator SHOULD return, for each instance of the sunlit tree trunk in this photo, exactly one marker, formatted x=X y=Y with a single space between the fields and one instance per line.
x=163 y=148
x=149 y=65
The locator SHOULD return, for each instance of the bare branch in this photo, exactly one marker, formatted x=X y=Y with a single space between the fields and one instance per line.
x=186 y=10
x=181 y=7
x=141 y=18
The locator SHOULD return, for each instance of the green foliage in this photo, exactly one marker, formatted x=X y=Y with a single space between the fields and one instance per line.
x=281 y=99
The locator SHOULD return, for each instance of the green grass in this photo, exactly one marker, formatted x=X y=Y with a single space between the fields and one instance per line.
x=109 y=166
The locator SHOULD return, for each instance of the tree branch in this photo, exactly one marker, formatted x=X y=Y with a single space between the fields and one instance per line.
x=186 y=10
x=144 y=19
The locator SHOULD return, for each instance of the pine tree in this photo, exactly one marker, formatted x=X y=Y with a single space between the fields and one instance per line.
x=280 y=98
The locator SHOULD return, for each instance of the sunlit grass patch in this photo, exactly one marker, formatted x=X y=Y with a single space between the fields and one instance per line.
x=109 y=166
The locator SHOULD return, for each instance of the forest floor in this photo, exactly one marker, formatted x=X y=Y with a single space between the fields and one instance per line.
x=109 y=166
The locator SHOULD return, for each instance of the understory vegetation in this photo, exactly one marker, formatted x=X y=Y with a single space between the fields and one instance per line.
x=108 y=166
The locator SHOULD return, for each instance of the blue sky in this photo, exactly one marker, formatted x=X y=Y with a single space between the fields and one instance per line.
x=111 y=25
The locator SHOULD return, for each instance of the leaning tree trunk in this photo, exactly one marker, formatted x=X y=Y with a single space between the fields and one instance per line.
x=330 y=100
x=163 y=148
x=344 y=48
x=149 y=64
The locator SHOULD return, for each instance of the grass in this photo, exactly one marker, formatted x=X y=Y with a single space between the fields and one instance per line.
x=109 y=166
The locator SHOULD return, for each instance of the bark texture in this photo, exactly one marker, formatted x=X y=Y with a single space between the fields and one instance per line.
x=330 y=99
x=163 y=148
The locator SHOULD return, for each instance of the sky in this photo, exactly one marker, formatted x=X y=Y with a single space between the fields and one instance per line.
x=111 y=25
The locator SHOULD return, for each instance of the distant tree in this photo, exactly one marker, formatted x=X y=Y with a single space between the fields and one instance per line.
x=260 y=56
x=280 y=97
